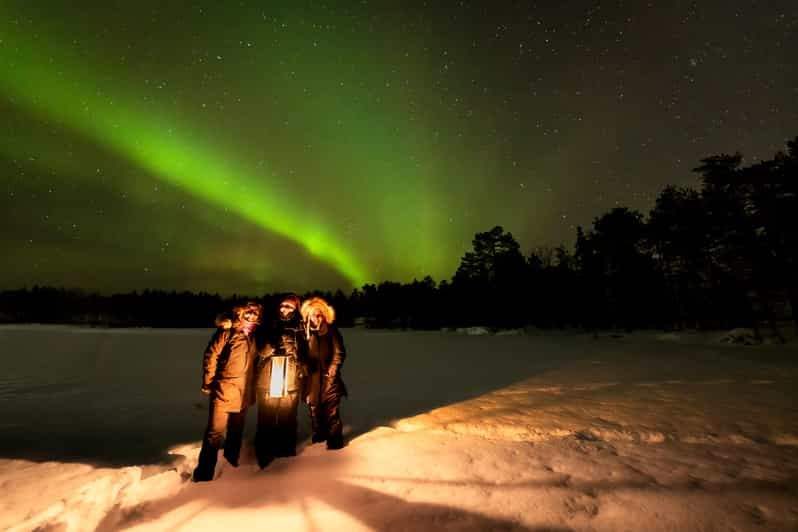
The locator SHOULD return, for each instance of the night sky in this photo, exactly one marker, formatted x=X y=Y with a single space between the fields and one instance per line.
x=251 y=147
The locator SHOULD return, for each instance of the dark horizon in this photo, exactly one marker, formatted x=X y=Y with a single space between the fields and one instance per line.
x=719 y=256
x=723 y=256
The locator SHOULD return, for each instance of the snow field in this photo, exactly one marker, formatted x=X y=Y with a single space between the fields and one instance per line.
x=446 y=432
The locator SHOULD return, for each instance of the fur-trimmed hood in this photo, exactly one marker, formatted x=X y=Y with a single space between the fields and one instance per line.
x=232 y=318
x=318 y=303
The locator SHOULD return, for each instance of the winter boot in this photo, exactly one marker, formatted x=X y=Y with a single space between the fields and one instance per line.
x=316 y=426
x=233 y=441
x=264 y=460
x=206 y=464
x=231 y=458
x=232 y=449
x=335 y=441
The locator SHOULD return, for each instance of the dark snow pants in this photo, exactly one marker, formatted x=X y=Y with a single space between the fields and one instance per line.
x=225 y=430
x=326 y=423
x=277 y=427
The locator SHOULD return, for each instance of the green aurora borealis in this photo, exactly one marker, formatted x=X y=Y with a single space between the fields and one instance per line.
x=243 y=148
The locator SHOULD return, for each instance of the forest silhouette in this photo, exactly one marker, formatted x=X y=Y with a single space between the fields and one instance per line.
x=723 y=256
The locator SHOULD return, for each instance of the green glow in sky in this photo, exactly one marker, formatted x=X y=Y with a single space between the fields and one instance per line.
x=59 y=91
x=260 y=146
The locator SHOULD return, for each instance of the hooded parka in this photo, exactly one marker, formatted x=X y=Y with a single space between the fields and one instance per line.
x=227 y=369
x=325 y=385
x=325 y=349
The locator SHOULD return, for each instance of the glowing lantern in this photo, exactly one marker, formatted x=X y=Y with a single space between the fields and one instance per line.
x=280 y=376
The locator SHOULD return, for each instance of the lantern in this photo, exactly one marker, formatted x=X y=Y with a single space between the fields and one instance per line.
x=280 y=376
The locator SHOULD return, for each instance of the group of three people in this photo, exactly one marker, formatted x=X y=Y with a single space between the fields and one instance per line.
x=273 y=363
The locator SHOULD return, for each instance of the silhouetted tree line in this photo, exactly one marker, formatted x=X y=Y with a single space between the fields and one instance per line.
x=149 y=308
x=719 y=257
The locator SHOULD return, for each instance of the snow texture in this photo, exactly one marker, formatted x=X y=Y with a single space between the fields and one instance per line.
x=446 y=431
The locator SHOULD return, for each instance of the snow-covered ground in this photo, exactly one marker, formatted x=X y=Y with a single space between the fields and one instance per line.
x=100 y=430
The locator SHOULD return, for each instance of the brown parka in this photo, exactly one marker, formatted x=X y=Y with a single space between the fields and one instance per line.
x=325 y=349
x=227 y=369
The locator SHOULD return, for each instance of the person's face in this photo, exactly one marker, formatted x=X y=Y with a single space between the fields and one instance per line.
x=287 y=309
x=251 y=315
x=316 y=317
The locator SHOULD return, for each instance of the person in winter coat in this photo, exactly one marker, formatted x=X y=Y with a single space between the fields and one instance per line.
x=227 y=369
x=325 y=387
x=278 y=381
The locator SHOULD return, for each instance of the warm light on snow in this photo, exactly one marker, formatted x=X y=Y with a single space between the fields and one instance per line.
x=571 y=433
